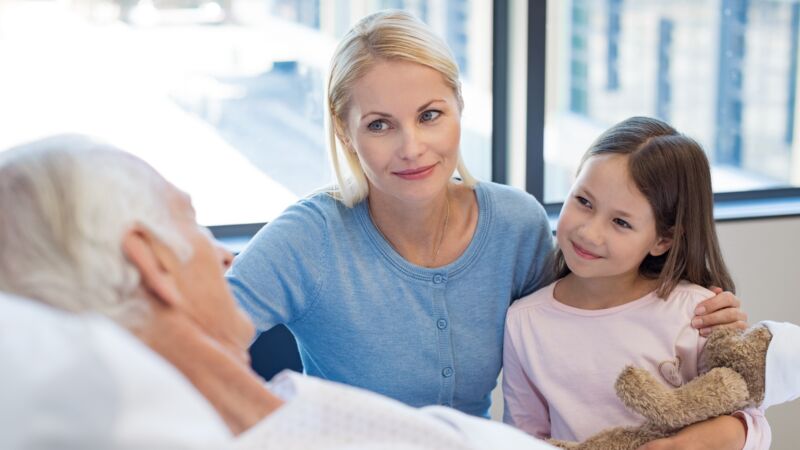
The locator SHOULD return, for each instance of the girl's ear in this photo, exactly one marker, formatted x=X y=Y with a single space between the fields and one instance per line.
x=156 y=264
x=662 y=246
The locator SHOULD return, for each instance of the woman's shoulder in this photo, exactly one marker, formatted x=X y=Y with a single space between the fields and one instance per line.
x=512 y=203
x=309 y=220
x=505 y=193
x=318 y=207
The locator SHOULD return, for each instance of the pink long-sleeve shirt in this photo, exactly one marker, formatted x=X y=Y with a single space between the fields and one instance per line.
x=560 y=363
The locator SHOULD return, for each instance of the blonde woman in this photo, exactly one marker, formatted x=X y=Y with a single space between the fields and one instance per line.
x=399 y=279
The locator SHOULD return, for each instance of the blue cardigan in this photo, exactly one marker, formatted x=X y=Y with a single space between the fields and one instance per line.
x=364 y=316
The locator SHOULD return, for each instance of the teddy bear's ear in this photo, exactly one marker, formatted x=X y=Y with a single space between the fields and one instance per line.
x=745 y=353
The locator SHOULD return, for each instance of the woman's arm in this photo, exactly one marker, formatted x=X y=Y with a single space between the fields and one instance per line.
x=721 y=433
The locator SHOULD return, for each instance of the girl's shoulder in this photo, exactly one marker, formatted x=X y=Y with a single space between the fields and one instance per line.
x=533 y=300
x=690 y=292
x=688 y=295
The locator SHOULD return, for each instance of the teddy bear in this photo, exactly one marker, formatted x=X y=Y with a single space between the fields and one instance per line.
x=735 y=364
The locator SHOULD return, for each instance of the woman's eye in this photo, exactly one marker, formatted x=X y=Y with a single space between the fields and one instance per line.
x=429 y=115
x=377 y=125
x=583 y=201
x=622 y=223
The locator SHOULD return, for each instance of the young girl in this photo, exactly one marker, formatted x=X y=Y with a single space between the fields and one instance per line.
x=636 y=243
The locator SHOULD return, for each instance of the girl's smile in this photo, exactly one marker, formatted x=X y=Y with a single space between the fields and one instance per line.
x=583 y=253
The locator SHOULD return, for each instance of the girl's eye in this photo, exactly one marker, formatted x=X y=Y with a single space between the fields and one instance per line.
x=623 y=223
x=583 y=201
x=377 y=125
x=429 y=115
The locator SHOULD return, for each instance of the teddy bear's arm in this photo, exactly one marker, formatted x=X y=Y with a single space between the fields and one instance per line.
x=720 y=391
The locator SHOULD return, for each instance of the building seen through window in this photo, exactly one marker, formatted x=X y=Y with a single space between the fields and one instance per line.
x=722 y=71
x=224 y=97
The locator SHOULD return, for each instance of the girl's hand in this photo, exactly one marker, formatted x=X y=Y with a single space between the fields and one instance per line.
x=720 y=310
x=720 y=433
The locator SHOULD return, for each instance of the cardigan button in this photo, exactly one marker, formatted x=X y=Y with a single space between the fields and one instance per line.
x=447 y=372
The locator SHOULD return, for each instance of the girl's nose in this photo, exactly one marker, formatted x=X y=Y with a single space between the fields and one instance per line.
x=591 y=233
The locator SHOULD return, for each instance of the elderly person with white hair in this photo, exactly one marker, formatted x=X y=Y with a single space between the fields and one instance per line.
x=88 y=229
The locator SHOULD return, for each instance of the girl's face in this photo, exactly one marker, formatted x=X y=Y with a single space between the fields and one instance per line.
x=607 y=226
x=405 y=126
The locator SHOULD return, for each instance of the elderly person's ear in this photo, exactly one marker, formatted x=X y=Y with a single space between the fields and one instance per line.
x=157 y=265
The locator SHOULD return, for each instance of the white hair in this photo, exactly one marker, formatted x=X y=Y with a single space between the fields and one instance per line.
x=65 y=204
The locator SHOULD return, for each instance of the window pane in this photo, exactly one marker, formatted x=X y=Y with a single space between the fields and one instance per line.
x=722 y=71
x=224 y=97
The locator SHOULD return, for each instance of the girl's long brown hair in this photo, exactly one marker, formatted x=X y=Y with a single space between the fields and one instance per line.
x=672 y=172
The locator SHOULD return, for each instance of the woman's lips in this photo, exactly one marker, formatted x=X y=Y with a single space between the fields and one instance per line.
x=583 y=253
x=416 y=173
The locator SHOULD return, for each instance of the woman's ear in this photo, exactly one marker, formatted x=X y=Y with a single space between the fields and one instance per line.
x=155 y=263
x=341 y=133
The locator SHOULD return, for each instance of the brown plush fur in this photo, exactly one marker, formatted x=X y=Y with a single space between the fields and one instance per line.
x=735 y=364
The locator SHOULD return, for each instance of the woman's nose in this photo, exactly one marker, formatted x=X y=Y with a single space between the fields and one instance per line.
x=412 y=145
x=225 y=256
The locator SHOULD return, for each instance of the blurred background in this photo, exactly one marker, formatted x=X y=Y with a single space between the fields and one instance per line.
x=225 y=97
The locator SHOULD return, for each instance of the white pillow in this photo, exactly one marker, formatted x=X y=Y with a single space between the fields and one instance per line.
x=783 y=364
x=82 y=382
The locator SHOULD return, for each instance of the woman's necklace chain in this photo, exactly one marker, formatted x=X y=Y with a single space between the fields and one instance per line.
x=436 y=249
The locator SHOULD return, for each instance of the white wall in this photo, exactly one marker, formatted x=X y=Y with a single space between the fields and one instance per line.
x=762 y=256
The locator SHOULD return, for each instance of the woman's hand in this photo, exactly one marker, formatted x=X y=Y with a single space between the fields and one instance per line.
x=720 y=433
x=720 y=310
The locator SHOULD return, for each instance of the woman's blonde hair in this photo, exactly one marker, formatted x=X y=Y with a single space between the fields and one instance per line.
x=386 y=35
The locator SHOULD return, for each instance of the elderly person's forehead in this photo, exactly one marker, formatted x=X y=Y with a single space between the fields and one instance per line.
x=179 y=200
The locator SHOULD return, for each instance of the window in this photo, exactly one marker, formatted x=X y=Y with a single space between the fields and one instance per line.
x=224 y=97
x=722 y=71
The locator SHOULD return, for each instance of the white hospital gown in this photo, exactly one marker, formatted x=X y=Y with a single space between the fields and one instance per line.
x=324 y=415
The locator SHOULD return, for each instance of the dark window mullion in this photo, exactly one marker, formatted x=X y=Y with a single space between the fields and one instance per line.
x=537 y=33
x=500 y=69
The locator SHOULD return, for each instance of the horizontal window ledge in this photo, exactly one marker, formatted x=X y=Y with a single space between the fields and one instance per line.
x=725 y=210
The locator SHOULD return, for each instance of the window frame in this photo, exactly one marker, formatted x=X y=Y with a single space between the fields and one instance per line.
x=237 y=235
x=535 y=180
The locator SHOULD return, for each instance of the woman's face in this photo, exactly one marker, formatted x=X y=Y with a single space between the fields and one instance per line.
x=404 y=124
